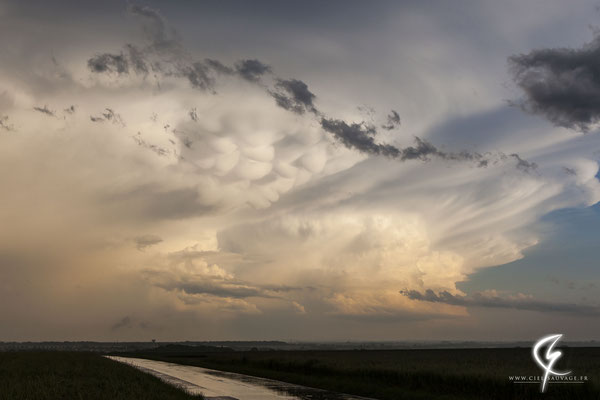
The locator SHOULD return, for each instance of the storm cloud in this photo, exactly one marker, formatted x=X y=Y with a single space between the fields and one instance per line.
x=144 y=241
x=252 y=70
x=494 y=300
x=524 y=165
x=561 y=84
x=164 y=54
x=293 y=95
x=393 y=121
x=359 y=137
x=362 y=138
x=5 y=124
x=290 y=94
x=155 y=27
x=109 y=63
x=300 y=214
x=45 y=110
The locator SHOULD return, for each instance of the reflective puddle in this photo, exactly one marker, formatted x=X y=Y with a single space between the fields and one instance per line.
x=218 y=385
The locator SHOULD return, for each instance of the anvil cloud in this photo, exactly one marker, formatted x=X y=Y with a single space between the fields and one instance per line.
x=169 y=173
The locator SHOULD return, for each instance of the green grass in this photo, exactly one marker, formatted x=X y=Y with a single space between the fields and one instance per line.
x=406 y=374
x=72 y=376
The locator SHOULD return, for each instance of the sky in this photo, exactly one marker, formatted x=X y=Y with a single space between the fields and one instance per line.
x=305 y=171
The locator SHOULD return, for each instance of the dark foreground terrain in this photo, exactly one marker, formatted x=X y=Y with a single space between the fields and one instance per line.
x=402 y=374
x=70 y=376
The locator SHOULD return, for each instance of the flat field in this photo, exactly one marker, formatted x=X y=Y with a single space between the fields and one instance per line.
x=77 y=375
x=403 y=374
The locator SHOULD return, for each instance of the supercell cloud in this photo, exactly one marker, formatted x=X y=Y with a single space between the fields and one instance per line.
x=169 y=173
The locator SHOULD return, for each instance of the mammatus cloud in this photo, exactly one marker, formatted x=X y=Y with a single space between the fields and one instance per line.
x=562 y=84
x=293 y=229
x=171 y=59
x=294 y=95
x=494 y=300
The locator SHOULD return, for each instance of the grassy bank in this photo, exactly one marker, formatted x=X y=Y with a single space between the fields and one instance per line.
x=70 y=376
x=404 y=374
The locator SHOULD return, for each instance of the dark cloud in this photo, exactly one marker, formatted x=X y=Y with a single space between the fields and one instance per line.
x=5 y=124
x=155 y=27
x=205 y=284
x=219 y=67
x=293 y=95
x=122 y=323
x=216 y=286
x=219 y=289
x=141 y=242
x=193 y=115
x=210 y=281
x=137 y=59
x=524 y=165
x=290 y=94
x=198 y=76
x=562 y=84
x=359 y=137
x=362 y=138
x=120 y=63
x=393 y=121
x=495 y=301
x=152 y=147
x=570 y=171
x=45 y=110
x=164 y=54
x=128 y=322
x=252 y=70
x=422 y=151
x=107 y=62
x=110 y=115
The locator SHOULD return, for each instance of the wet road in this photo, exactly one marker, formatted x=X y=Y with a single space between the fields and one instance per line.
x=218 y=385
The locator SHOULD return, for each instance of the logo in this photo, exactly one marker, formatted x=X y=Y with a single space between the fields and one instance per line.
x=548 y=358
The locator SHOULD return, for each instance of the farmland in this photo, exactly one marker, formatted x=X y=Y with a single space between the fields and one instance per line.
x=71 y=375
x=403 y=374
